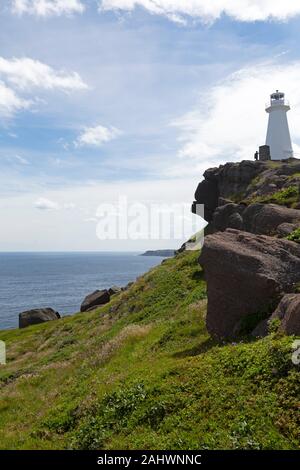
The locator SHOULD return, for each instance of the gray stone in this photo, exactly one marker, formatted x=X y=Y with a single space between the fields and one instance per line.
x=245 y=275
x=37 y=315
x=114 y=290
x=265 y=218
x=241 y=181
x=96 y=299
x=228 y=216
x=207 y=194
x=283 y=230
x=288 y=311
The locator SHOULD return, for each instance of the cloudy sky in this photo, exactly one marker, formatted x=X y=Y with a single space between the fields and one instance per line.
x=130 y=98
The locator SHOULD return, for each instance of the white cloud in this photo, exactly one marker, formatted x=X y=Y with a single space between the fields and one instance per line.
x=210 y=10
x=69 y=205
x=49 y=205
x=46 y=204
x=10 y=102
x=229 y=121
x=96 y=136
x=76 y=233
x=18 y=76
x=21 y=160
x=26 y=73
x=47 y=7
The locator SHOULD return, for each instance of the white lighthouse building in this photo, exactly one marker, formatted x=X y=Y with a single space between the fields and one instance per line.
x=278 y=134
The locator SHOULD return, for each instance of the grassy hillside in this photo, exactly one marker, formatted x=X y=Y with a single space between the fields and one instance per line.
x=142 y=372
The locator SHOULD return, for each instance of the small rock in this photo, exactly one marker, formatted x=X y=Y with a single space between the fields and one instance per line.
x=227 y=216
x=288 y=311
x=97 y=298
x=37 y=315
x=285 y=229
x=114 y=290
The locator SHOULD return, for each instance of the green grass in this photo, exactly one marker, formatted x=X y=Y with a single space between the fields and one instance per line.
x=143 y=373
x=285 y=197
x=294 y=236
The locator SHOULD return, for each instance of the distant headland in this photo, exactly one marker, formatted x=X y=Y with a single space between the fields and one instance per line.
x=162 y=253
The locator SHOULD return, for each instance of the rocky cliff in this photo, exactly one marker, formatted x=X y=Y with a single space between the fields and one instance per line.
x=250 y=266
x=246 y=183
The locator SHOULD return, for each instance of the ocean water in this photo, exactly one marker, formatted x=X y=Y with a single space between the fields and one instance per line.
x=61 y=280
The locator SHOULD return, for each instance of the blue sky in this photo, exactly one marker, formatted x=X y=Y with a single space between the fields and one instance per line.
x=130 y=101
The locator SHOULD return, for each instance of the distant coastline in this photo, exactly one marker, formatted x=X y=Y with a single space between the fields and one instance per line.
x=162 y=253
x=62 y=280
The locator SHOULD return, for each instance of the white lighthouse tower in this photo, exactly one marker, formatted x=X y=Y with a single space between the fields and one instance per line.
x=278 y=134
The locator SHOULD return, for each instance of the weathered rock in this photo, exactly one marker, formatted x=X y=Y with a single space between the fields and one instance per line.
x=207 y=194
x=228 y=216
x=288 y=311
x=37 y=315
x=243 y=180
x=283 y=230
x=245 y=274
x=97 y=298
x=265 y=218
x=114 y=290
x=234 y=178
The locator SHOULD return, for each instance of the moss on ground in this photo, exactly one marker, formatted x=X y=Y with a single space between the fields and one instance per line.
x=143 y=373
x=285 y=197
x=294 y=236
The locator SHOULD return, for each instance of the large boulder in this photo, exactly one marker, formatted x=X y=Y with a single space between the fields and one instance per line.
x=37 y=315
x=288 y=312
x=95 y=299
x=245 y=275
x=265 y=218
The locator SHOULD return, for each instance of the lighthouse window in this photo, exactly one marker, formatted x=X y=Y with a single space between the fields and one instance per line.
x=277 y=96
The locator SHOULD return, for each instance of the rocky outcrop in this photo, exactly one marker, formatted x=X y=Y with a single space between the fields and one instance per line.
x=94 y=300
x=207 y=193
x=264 y=219
x=288 y=312
x=246 y=274
x=37 y=315
x=224 y=182
x=228 y=216
x=234 y=182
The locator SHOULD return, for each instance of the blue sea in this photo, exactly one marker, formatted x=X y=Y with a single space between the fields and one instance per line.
x=61 y=280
